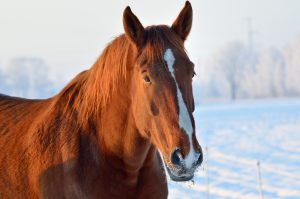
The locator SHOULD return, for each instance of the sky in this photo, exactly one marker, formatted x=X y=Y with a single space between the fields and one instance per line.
x=70 y=34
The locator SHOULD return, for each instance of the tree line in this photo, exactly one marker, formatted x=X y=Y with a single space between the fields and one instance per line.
x=234 y=71
x=239 y=72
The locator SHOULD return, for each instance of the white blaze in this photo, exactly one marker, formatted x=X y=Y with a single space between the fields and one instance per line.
x=184 y=118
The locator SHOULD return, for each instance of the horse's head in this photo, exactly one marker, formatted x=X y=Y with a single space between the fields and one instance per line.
x=161 y=91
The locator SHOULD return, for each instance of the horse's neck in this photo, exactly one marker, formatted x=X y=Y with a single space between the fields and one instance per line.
x=117 y=135
x=120 y=136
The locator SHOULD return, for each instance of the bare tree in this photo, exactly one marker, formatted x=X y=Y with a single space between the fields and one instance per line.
x=292 y=59
x=229 y=65
x=270 y=74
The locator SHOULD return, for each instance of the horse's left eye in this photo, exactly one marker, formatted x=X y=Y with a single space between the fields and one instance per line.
x=147 y=79
x=194 y=74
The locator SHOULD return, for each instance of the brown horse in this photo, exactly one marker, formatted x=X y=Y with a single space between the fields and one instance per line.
x=100 y=137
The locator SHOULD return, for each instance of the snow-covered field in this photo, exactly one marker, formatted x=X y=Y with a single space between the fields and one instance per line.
x=238 y=135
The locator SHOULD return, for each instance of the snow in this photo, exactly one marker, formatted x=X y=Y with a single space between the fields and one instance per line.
x=237 y=136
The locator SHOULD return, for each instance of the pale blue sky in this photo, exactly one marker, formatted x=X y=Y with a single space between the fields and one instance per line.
x=71 y=34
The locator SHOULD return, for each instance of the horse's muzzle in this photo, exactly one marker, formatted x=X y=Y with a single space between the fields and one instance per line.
x=178 y=171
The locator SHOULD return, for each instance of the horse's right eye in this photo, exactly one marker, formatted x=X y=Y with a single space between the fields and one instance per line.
x=147 y=79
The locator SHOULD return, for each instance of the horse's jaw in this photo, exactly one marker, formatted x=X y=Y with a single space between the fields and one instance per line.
x=180 y=175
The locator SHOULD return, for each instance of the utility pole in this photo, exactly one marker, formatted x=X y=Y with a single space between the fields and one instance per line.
x=259 y=180
x=250 y=33
x=207 y=174
x=250 y=44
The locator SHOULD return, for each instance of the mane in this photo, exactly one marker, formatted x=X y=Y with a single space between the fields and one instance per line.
x=90 y=91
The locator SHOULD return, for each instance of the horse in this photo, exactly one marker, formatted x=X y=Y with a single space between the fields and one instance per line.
x=115 y=130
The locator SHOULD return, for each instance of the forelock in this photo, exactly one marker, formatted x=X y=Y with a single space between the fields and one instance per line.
x=158 y=39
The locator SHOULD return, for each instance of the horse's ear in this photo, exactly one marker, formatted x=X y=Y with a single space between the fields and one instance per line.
x=183 y=24
x=133 y=28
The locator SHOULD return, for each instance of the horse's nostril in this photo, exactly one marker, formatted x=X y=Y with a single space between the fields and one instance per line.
x=200 y=159
x=176 y=157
